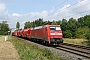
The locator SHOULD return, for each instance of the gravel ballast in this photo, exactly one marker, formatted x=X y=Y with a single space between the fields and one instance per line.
x=60 y=53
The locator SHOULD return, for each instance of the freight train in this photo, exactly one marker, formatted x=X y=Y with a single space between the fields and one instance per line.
x=47 y=34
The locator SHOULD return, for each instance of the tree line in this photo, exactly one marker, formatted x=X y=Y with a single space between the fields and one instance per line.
x=4 y=28
x=72 y=28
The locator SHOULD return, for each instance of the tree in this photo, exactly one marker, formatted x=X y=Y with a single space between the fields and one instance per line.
x=18 y=25
x=27 y=25
x=72 y=26
x=45 y=22
x=64 y=27
x=59 y=22
x=38 y=22
x=64 y=24
x=80 y=22
x=4 y=22
x=54 y=22
x=4 y=28
x=87 y=20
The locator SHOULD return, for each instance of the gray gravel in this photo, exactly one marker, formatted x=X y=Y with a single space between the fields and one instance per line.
x=60 y=53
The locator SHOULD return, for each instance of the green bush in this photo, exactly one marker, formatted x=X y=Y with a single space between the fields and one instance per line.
x=67 y=34
x=3 y=32
x=88 y=38
x=81 y=32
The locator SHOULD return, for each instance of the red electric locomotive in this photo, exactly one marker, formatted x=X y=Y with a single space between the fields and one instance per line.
x=48 y=34
x=51 y=34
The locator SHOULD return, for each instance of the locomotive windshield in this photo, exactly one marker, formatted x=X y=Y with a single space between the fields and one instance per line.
x=55 y=28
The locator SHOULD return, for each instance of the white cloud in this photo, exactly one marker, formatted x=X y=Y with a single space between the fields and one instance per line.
x=66 y=12
x=3 y=12
x=75 y=11
x=16 y=14
x=2 y=7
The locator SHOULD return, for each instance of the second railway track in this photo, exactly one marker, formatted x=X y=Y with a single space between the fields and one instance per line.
x=75 y=49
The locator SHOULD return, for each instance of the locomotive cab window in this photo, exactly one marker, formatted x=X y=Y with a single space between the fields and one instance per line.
x=55 y=28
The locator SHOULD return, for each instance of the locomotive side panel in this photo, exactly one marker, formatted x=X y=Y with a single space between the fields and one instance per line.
x=40 y=34
x=37 y=33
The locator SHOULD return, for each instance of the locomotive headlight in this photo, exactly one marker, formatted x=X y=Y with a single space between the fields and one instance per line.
x=59 y=33
x=52 y=33
x=55 y=33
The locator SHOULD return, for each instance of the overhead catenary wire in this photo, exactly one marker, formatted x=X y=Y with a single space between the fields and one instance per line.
x=69 y=6
x=81 y=6
x=58 y=5
x=78 y=13
x=73 y=9
x=78 y=7
x=61 y=3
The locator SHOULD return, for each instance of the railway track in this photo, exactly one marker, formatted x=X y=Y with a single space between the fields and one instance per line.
x=75 y=49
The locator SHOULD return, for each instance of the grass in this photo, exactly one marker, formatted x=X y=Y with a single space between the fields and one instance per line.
x=28 y=51
x=82 y=42
x=0 y=35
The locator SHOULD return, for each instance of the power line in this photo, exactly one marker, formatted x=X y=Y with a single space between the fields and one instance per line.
x=75 y=4
x=80 y=6
x=74 y=8
x=69 y=6
x=59 y=4
x=78 y=13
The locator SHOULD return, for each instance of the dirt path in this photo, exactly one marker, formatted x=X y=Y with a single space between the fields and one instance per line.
x=7 y=50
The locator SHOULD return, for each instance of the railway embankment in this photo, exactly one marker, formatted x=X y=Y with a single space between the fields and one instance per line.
x=30 y=51
x=62 y=53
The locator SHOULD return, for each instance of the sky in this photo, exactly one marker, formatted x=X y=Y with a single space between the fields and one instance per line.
x=22 y=11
